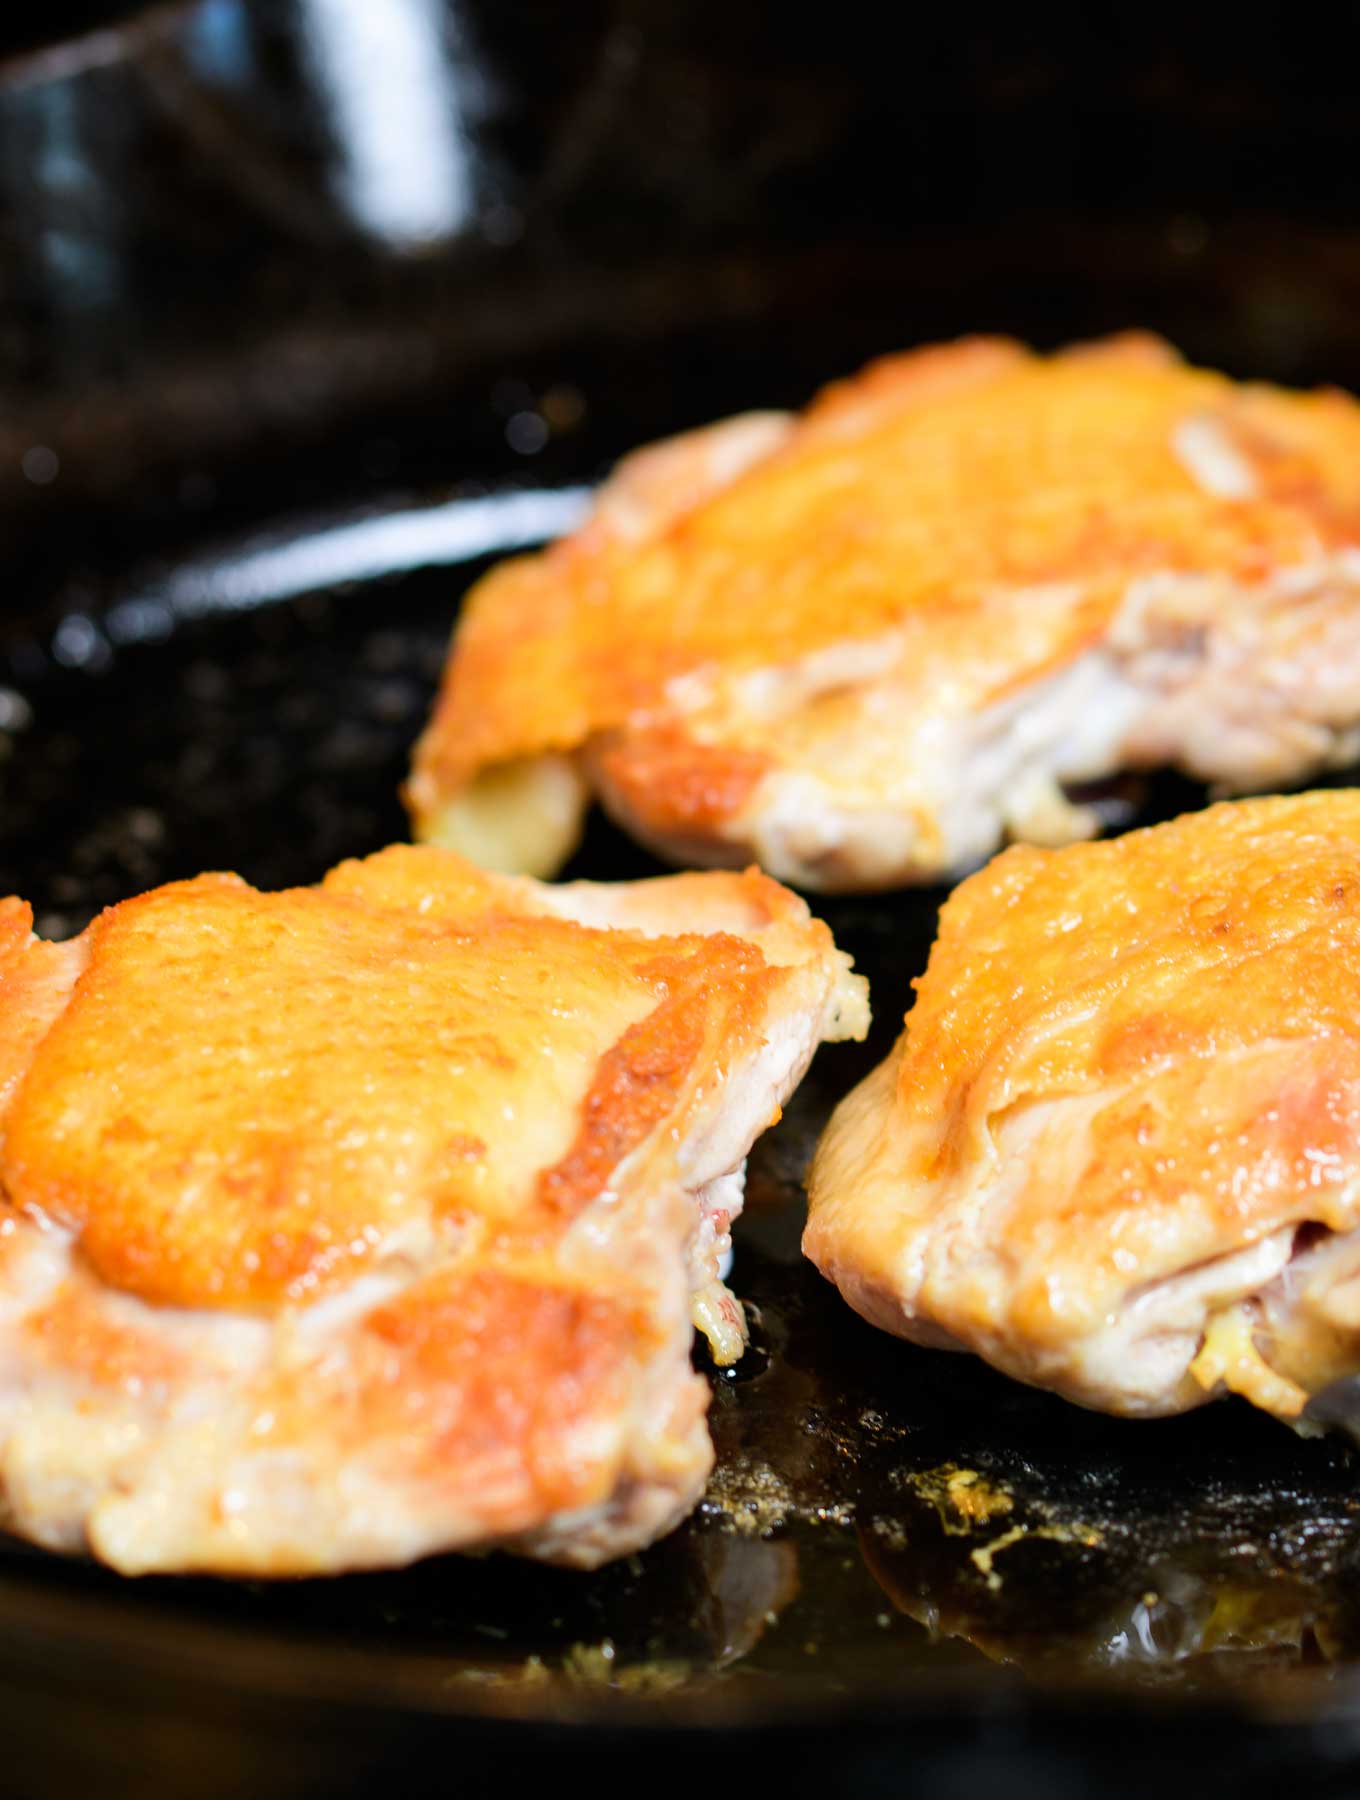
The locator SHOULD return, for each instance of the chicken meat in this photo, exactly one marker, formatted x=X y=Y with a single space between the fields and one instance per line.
x=350 y=1223
x=1116 y=1151
x=866 y=645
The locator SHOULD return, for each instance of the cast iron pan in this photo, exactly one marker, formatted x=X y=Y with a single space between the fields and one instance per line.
x=228 y=612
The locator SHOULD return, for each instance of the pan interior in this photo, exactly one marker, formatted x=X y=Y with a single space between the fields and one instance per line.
x=883 y=1521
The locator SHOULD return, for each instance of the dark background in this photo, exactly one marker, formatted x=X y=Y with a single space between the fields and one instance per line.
x=650 y=211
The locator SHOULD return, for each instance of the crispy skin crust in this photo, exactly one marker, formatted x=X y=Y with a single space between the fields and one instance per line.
x=641 y=1080
x=35 y=983
x=284 y=1079
x=1055 y=973
x=353 y=1222
x=1124 y=1060
x=679 y=785
x=507 y=1374
x=916 y=498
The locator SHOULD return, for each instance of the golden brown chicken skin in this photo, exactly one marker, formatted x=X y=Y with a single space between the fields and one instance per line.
x=350 y=1223
x=865 y=645
x=1116 y=1151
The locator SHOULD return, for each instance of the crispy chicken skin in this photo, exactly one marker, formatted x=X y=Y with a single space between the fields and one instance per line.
x=1116 y=1151
x=865 y=645
x=350 y=1223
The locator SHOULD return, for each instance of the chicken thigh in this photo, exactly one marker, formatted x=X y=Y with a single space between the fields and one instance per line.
x=1116 y=1151
x=350 y=1223
x=865 y=645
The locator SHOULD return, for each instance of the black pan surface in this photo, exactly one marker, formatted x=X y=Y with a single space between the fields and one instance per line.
x=890 y=1534
x=906 y=1569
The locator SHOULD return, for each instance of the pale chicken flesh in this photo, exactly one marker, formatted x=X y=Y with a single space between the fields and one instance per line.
x=351 y=1223
x=1116 y=1150
x=866 y=645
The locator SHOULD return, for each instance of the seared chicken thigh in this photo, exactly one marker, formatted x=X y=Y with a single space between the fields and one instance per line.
x=355 y=1222
x=867 y=644
x=1116 y=1151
